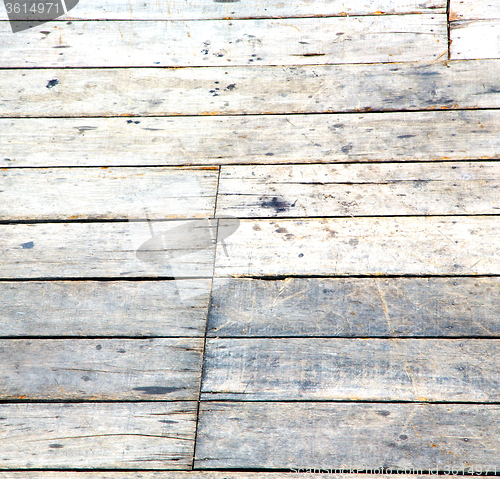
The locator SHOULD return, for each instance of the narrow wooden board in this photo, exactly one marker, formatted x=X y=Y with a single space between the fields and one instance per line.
x=93 y=436
x=103 y=308
x=107 y=193
x=297 y=369
x=102 y=369
x=208 y=9
x=319 y=474
x=415 y=136
x=475 y=39
x=107 y=250
x=302 y=41
x=350 y=307
x=248 y=90
x=359 y=190
x=474 y=9
x=457 y=245
x=335 y=435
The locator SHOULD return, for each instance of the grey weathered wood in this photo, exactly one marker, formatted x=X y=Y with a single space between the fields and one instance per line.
x=363 y=39
x=208 y=9
x=391 y=307
x=102 y=193
x=332 y=138
x=456 y=245
x=93 y=250
x=103 y=308
x=351 y=369
x=110 y=369
x=248 y=90
x=335 y=435
x=93 y=436
x=359 y=190
x=475 y=39
x=474 y=9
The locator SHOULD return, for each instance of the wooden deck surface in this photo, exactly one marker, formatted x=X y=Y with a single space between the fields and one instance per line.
x=246 y=240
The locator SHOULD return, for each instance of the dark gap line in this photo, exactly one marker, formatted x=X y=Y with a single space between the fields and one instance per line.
x=102 y=279
x=448 y=27
x=96 y=401
x=385 y=337
x=347 y=401
x=98 y=338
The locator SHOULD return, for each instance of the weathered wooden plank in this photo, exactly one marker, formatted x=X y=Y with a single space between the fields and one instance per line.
x=390 y=307
x=335 y=435
x=295 y=369
x=475 y=39
x=103 y=308
x=103 y=193
x=319 y=474
x=359 y=190
x=332 y=138
x=108 y=250
x=208 y=9
x=362 y=39
x=103 y=369
x=456 y=245
x=249 y=90
x=474 y=9
x=102 y=435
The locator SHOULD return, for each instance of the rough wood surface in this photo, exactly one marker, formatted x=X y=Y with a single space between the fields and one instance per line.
x=103 y=369
x=94 y=436
x=294 y=369
x=350 y=307
x=102 y=193
x=103 y=308
x=208 y=9
x=248 y=90
x=474 y=9
x=359 y=190
x=331 y=138
x=333 y=435
x=301 y=41
x=475 y=39
x=456 y=245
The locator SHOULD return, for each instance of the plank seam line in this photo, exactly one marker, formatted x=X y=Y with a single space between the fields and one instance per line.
x=443 y=338
x=346 y=401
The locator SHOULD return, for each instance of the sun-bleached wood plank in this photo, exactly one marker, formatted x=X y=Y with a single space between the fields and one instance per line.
x=208 y=9
x=474 y=9
x=356 y=307
x=358 y=436
x=107 y=193
x=332 y=138
x=359 y=190
x=249 y=90
x=103 y=308
x=94 y=436
x=362 y=39
x=305 y=369
x=101 y=369
x=456 y=245
x=108 y=250
x=475 y=39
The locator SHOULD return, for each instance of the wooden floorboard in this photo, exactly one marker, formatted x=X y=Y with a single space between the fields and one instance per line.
x=474 y=10
x=475 y=39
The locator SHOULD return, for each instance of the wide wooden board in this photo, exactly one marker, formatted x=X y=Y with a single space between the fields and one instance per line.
x=474 y=9
x=293 y=369
x=301 y=41
x=351 y=307
x=103 y=308
x=359 y=190
x=98 y=436
x=107 y=193
x=415 y=136
x=103 y=369
x=455 y=245
x=475 y=39
x=338 y=435
x=248 y=90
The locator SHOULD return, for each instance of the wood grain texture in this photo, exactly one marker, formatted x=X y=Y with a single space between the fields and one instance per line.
x=475 y=39
x=465 y=245
x=207 y=9
x=103 y=369
x=359 y=190
x=94 y=250
x=415 y=136
x=103 y=308
x=93 y=436
x=474 y=9
x=102 y=193
x=334 y=435
x=363 y=39
x=350 y=307
x=248 y=90
x=298 y=369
